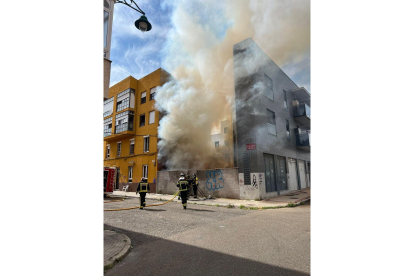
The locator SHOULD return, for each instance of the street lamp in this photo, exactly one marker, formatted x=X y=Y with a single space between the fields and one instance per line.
x=141 y=24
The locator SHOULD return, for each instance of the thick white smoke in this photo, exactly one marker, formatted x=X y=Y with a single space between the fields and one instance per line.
x=199 y=56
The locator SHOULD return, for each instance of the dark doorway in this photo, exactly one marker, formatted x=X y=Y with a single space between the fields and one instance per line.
x=118 y=172
x=281 y=173
x=105 y=179
x=270 y=174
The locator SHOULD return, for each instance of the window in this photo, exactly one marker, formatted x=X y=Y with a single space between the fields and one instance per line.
x=125 y=99
x=269 y=87
x=108 y=107
x=271 y=122
x=151 y=117
x=108 y=150
x=142 y=120
x=285 y=97
x=146 y=143
x=226 y=129
x=143 y=97
x=216 y=144
x=226 y=143
x=131 y=146
x=118 y=151
x=152 y=94
x=287 y=130
x=124 y=121
x=107 y=126
x=130 y=174
x=145 y=171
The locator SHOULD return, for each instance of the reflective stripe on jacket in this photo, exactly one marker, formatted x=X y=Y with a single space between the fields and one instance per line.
x=182 y=185
x=143 y=187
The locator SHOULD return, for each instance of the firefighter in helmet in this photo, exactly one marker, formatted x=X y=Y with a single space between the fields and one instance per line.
x=194 y=181
x=182 y=185
x=143 y=189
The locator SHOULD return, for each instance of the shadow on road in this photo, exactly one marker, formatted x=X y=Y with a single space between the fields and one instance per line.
x=199 y=210
x=156 y=256
x=154 y=210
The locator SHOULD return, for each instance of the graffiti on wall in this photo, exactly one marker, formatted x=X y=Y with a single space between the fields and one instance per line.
x=214 y=180
x=254 y=183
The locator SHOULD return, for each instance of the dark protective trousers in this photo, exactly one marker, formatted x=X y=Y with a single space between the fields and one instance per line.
x=142 y=196
x=184 y=198
x=195 y=190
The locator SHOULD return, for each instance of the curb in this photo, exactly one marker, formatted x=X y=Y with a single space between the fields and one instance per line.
x=121 y=254
x=221 y=204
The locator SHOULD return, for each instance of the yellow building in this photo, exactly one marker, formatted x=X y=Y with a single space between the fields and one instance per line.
x=130 y=129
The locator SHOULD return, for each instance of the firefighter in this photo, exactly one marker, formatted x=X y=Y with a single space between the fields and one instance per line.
x=194 y=181
x=142 y=189
x=182 y=185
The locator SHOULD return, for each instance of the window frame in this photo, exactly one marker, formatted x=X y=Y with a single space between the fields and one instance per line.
x=287 y=129
x=146 y=138
x=145 y=171
x=124 y=125
x=131 y=146
x=149 y=117
x=285 y=99
x=141 y=125
x=107 y=131
x=118 y=149
x=130 y=170
x=152 y=93
x=271 y=124
x=144 y=99
x=269 y=88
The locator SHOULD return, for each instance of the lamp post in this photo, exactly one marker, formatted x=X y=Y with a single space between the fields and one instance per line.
x=142 y=23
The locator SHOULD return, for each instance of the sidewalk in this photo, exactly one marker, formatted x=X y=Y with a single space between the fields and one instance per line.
x=295 y=197
x=116 y=246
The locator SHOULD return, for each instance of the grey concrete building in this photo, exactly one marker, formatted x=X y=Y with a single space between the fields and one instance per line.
x=271 y=126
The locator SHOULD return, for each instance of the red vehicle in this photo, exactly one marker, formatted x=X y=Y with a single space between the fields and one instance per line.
x=109 y=179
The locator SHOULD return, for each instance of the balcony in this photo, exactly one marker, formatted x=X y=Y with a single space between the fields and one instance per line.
x=303 y=138
x=115 y=136
x=301 y=94
x=301 y=113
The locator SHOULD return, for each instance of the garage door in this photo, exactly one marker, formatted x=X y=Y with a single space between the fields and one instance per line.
x=293 y=180
x=302 y=174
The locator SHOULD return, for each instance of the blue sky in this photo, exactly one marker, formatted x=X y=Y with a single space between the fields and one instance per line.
x=137 y=54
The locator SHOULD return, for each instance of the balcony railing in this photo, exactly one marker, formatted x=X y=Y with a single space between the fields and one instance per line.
x=303 y=138
x=301 y=110
x=107 y=133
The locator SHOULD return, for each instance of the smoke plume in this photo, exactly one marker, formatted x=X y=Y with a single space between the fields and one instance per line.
x=199 y=56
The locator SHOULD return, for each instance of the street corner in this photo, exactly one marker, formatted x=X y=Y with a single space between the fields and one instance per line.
x=116 y=246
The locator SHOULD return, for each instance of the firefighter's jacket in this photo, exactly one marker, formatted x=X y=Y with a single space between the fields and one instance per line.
x=143 y=187
x=194 y=181
x=182 y=184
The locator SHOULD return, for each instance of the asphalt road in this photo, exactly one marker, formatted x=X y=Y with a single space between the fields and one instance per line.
x=209 y=240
